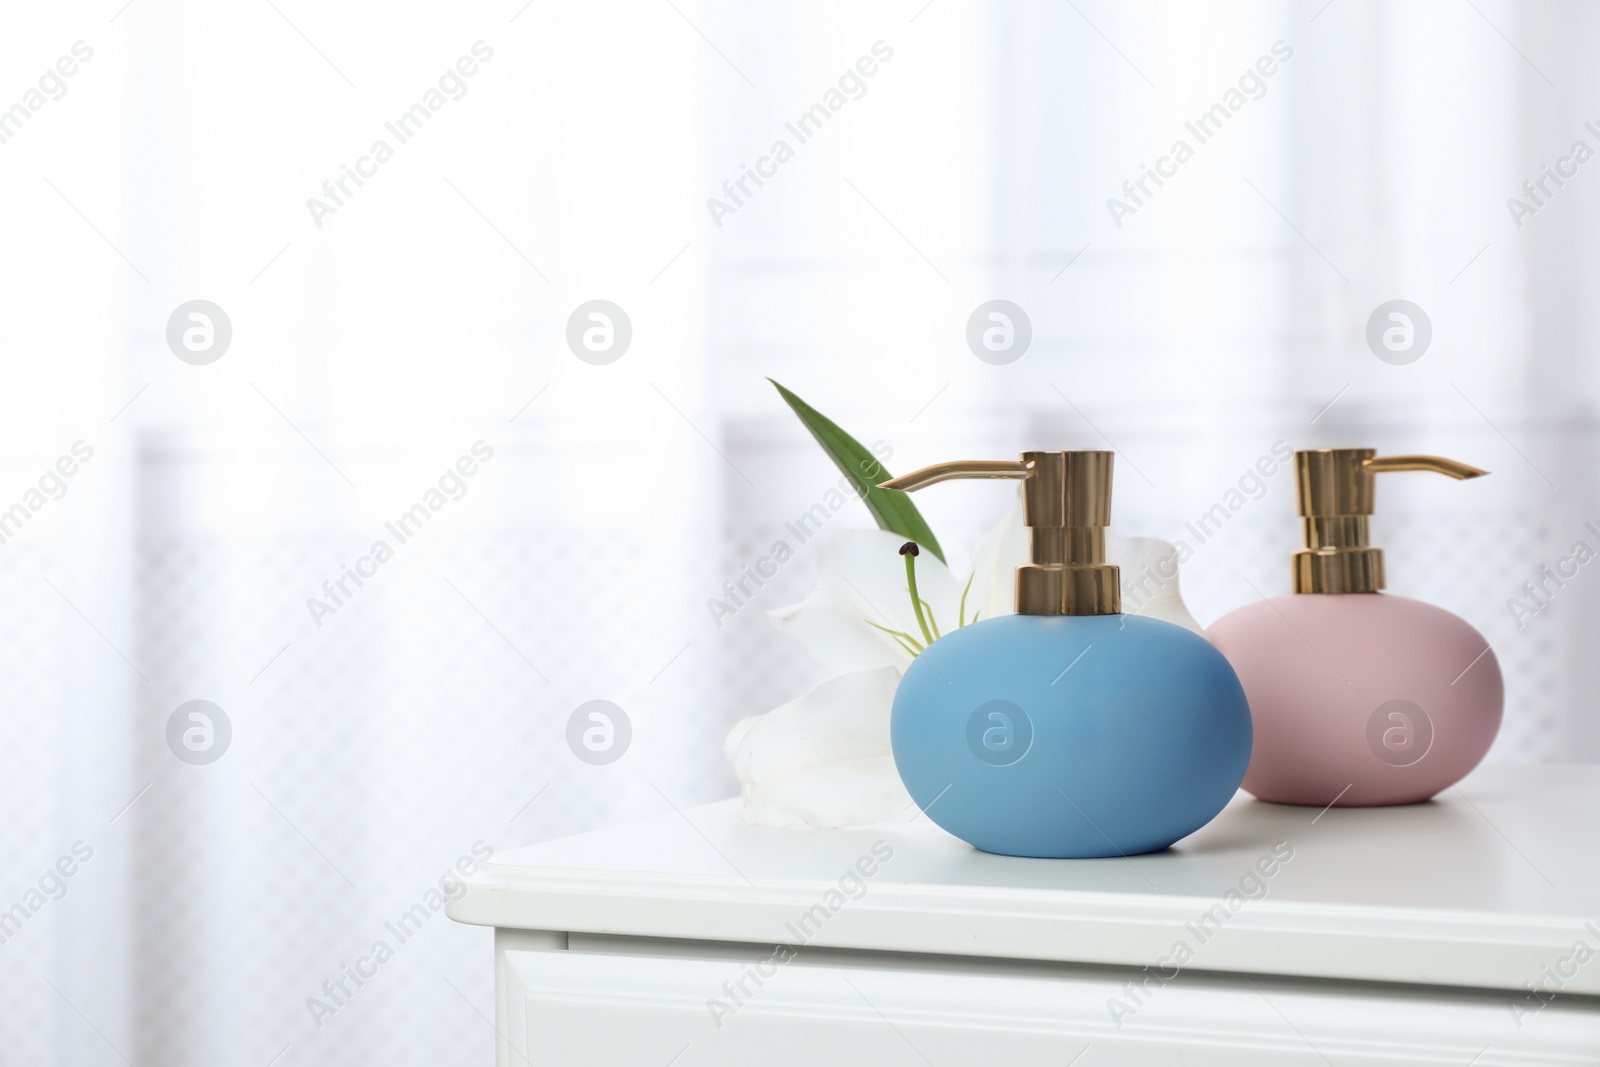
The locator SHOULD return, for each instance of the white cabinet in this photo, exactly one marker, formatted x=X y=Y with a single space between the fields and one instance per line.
x=1380 y=936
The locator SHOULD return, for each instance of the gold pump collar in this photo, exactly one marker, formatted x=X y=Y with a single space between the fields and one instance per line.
x=1336 y=494
x=1066 y=501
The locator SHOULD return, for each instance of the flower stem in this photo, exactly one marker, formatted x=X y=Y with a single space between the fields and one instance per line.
x=910 y=552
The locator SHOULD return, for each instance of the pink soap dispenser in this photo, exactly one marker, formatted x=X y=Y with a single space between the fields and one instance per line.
x=1358 y=698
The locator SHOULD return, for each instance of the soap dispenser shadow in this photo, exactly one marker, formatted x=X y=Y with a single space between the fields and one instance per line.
x=1069 y=729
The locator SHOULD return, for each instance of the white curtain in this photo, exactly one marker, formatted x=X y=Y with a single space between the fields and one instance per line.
x=382 y=333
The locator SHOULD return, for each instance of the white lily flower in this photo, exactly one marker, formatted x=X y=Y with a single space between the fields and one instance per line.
x=862 y=599
x=1149 y=570
x=824 y=759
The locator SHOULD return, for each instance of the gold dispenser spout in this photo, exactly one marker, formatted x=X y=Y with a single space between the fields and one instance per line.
x=959 y=468
x=1066 y=501
x=1336 y=494
x=1432 y=464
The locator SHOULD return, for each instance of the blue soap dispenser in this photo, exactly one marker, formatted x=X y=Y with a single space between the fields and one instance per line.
x=1069 y=729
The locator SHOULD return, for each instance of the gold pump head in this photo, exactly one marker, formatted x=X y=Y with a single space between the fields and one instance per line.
x=1066 y=502
x=1335 y=487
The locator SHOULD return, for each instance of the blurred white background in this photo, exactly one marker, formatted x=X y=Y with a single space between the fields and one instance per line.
x=375 y=345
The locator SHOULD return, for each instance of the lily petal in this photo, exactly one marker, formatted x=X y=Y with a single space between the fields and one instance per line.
x=861 y=586
x=1145 y=563
x=994 y=566
x=835 y=632
x=822 y=759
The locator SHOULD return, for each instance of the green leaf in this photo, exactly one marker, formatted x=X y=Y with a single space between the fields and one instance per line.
x=892 y=511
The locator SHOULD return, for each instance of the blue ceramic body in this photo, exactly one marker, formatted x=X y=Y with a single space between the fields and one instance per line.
x=1071 y=736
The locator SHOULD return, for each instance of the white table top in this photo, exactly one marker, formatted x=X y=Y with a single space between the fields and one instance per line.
x=1483 y=887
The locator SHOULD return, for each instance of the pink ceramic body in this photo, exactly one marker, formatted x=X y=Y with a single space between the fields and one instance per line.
x=1370 y=698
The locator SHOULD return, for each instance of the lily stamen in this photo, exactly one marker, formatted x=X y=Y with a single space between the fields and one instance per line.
x=910 y=551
